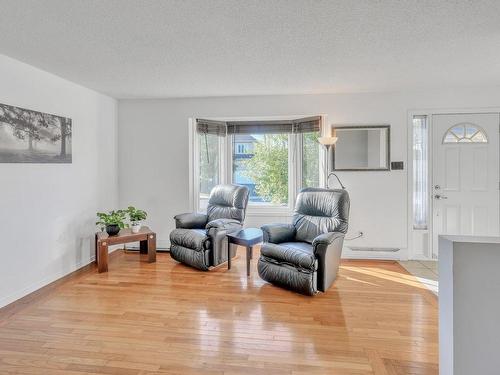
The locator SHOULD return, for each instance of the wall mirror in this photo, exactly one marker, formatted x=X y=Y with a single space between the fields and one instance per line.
x=362 y=148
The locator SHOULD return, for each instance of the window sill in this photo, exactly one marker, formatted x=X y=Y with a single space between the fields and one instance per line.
x=269 y=211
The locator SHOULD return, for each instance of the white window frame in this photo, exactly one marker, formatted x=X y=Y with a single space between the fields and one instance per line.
x=226 y=166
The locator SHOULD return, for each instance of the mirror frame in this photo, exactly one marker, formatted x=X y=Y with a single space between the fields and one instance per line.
x=388 y=165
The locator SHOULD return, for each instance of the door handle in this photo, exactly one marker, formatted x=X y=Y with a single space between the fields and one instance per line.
x=439 y=196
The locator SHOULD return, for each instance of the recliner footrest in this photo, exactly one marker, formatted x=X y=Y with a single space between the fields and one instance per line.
x=195 y=239
x=196 y=259
x=287 y=276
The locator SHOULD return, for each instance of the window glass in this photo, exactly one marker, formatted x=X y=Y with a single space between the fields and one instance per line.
x=420 y=172
x=208 y=158
x=310 y=159
x=465 y=133
x=261 y=164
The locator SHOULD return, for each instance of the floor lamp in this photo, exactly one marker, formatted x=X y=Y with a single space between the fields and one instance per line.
x=328 y=142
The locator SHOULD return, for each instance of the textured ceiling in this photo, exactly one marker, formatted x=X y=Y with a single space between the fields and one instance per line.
x=131 y=49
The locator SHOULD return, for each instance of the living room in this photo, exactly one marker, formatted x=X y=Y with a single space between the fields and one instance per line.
x=231 y=145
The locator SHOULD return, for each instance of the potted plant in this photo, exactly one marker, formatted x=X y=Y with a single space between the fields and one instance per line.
x=136 y=216
x=112 y=221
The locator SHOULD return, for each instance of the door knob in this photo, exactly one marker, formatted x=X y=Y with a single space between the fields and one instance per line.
x=437 y=187
x=438 y=196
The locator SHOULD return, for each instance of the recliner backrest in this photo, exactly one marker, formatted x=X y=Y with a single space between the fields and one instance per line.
x=319 y=211
x=228 y=202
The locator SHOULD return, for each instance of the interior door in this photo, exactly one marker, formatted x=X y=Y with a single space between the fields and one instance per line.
x=465 y=183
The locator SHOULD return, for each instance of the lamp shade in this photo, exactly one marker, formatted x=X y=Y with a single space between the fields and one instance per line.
x=327 y=141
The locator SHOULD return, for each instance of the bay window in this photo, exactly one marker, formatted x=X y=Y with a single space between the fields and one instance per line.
x=274 y=159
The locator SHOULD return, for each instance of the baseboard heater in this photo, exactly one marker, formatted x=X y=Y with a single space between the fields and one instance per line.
x=379 y=249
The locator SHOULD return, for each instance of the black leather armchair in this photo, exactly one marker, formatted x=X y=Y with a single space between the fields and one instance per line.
x=305 y=256
x=199 y=240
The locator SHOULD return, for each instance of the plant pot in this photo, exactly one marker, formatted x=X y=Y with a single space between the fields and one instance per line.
x=112 y=229
x=136 y=227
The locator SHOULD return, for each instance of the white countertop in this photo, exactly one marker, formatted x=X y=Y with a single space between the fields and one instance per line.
x=468 y=309
x=470 y=239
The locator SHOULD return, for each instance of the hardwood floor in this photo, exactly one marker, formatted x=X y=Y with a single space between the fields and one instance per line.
x=165 y=318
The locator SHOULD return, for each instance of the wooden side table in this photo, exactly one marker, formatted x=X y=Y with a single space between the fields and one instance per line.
x=146 y=237
x=246 y=237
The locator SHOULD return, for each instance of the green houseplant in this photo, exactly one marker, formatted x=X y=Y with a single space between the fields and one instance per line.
x=112 y=221
x=136 y=216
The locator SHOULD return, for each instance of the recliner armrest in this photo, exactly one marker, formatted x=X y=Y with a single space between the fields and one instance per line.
x=218 y=230
x=278 y=233
x=327 y=249
x=223 y=224
x=326 y=238
x=192 y=220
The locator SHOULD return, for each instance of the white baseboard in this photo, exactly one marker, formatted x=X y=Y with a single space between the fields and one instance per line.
x=371 y=257
x=47 y=280
x=162 y=244
x=375 y=255
x=422 y=257
x=43 y=282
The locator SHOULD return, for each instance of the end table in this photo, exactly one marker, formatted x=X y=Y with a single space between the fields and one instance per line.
x=246 y=237
x=146 y=237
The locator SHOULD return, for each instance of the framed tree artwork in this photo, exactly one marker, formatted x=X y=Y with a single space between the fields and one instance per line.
x=28 y=136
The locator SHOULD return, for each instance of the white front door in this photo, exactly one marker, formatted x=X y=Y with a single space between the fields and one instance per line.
x=465 y=183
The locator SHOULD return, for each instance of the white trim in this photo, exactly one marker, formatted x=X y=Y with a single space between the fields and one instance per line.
x=50 y=279
x=429 y=112
x=326 y=131
x=347 y=253
x=192 y=152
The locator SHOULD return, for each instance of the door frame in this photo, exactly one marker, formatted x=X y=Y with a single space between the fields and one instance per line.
x=413 y=234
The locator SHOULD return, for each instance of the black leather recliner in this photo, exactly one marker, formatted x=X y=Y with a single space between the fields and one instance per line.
x=200 y=239
x=305 y=256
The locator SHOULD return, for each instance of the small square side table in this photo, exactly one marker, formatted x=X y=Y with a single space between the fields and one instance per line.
x=246 y=237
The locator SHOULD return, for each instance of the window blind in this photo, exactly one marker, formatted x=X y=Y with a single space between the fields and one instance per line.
x=218 y=128
x=303 y=125
x=307 y=125
x=259 y=127
x=221 y=128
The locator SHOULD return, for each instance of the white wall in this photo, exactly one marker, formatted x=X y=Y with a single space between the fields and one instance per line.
x=375 y=148
x=469 y=333
x=353 y=148
x=154 y=166
x=47 y=211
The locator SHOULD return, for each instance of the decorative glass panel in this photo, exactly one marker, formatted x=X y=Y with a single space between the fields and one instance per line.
x=465 y=133
x=420 y=172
